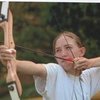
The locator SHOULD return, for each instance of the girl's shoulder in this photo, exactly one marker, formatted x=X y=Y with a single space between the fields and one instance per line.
x=51 y=65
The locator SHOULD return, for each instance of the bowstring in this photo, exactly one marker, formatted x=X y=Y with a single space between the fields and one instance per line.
x=73 y=89
x=59 y=27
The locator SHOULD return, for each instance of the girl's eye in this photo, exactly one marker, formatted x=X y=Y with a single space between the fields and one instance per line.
x=68 y=47
x=57 y=50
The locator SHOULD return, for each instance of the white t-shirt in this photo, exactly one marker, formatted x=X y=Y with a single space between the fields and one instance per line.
x=60 y=85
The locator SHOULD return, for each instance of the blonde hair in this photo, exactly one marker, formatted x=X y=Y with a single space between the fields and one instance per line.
x=71 y=35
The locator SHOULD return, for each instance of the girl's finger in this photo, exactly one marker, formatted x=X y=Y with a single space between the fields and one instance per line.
x=79 y=65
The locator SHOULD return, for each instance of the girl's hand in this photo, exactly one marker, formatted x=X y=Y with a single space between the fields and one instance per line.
x=81 y=63
x=6 y=54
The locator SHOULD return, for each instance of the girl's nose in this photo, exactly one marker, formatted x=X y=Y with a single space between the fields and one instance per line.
x=64 y=53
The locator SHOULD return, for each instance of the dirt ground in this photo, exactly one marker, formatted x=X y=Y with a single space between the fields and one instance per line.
x=38 y=98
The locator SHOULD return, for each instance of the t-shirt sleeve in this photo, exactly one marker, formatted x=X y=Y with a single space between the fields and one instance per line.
x=44 y=86
x=94 y=80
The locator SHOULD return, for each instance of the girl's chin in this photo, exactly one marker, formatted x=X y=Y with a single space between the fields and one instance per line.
x=67 y=67
x=67 y=64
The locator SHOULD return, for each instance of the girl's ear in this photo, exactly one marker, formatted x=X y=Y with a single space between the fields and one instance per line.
x=82 y=51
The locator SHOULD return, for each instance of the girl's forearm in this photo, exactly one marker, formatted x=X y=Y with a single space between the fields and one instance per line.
x=94 y=62
x=30 y=68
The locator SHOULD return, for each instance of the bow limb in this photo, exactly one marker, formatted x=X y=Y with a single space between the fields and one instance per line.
x=11 y=45
x=12 y=77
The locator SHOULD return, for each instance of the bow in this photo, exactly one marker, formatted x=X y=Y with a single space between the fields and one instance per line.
x=14 y=85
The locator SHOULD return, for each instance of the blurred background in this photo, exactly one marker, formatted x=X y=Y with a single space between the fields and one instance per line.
x=37 y=24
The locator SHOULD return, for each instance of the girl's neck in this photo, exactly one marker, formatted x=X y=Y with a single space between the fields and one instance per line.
x=75 y=72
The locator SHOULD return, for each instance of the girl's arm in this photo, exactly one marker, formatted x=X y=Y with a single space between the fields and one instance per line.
x=31 y=68
x=82 y=63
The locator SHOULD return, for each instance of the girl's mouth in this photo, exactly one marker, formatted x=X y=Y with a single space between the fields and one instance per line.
x=67 y=60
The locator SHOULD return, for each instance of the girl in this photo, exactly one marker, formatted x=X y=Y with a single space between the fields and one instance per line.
x=73 y=78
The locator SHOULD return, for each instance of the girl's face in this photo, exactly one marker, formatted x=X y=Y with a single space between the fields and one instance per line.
x=63 y=50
